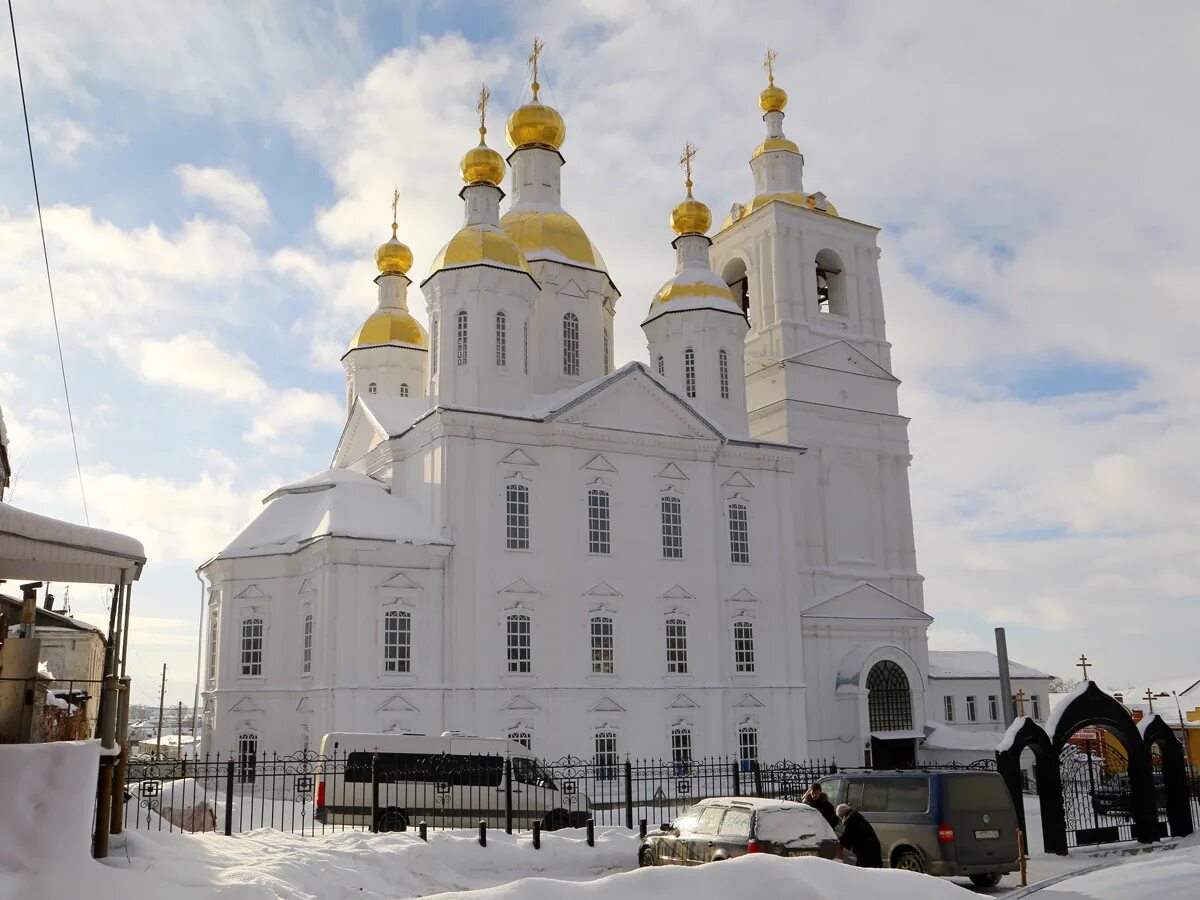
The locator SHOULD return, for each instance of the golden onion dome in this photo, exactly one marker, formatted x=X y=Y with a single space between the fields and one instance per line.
x=390 y=325
x=695 y=285
x=551 y=234
x=772 y=144
x=482 y=164
x=773 y=98
x=480 y=244
x=691 y=217
x=536 y=125
x=393 y=257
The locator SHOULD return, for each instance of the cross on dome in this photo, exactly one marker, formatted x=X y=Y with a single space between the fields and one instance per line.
x=482 y=164
x=1083 y=664
x=538 y=46
x=393 y=257
x=685 y=162
x=484 y=96
x=535 y=124
x=395 y=206
x=769 y=64
x=691 y=216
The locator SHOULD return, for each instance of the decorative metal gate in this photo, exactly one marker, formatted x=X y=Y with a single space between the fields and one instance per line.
x=1097 y=797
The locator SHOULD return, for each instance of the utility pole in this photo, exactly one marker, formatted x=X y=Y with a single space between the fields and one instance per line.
x=179 y=729
x=1005 y=682
x=162 y=693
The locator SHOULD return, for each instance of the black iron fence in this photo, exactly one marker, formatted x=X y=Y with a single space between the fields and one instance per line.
x=308 y=793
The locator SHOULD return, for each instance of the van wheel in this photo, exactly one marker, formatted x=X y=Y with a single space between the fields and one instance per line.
x=647 y=857
x=391 y=820
x=990 y=879
x=909 y=861
x=554 y=820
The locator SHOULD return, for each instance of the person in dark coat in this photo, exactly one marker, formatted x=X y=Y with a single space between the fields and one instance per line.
x=859 y=838
x=819 y=800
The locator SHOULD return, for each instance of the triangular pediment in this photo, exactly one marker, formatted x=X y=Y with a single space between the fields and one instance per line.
x=673 y=472
x=400 y=582
x=608 y=704
x=865 y=601
x=677 y=593
x=599 y=464
x=245 y=705
x=396 y=703
x=749 y=701
x=307 y=587
x=251 y=592
x=683 y=701
x=518 y=457
x=603 y=589
x=841 y=357
x=572 y=289
x=737 y=479
x=744 y=596
x=631 y=399
x=304 y=705
x=520 y=586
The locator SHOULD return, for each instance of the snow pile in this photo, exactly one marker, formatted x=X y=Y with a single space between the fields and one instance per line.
x=1167 y=875
x=944 y=737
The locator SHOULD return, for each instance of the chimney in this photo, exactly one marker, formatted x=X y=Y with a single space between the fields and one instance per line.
x=48 y=603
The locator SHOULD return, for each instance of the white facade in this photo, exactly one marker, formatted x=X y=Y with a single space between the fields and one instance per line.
x=537 y=546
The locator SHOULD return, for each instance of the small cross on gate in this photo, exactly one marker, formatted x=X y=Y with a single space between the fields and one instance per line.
x=1019 y=698
x=1083 y=664
x=1149 y=697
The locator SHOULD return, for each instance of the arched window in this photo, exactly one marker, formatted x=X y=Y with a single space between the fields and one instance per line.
x=247 y=750
x=397 y=641
x=462 y=337
x=661 y=368
x=433 y=346
x=723 y=367
x=516 y=517
x=501 y=338
x=689 y=372
x=371 y=388
x=735 y=276
x=307 y=646
x=570 y=344
x=602 y=645
x=747 y=744
x=525 y=347
x=831 y=284
x=599 y=522
x=743 y=647
x=403 y=390
x=519 y=644
x=214 y=623
x=739 y=533
x=672 y=527
x=889 y=698
x=605 y=351
x=252 y=647
x=677 y=661
x=681 y=746
x=606 y=751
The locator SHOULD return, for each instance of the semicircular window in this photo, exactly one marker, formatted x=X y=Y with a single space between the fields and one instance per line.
x=889 y=698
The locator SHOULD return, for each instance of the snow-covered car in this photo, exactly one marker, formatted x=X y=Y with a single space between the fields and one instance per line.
x=725 y=827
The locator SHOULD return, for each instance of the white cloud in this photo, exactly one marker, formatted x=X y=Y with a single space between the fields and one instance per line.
x=240 y=197
x=63 y=138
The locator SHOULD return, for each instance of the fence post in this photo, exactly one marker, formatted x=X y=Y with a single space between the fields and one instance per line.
x=483 y=832
x=424 y=830
x=758 y=788
x=537 y=834
x=508 y=808
x=591 y=832
x=375 y=792
x=737 y=778
x=628 y=793
x=641 y=828
x=229 y=795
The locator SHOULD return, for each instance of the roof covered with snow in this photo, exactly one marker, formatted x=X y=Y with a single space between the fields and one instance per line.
x=38 y=547
x=976 y=664
x=945 y=737
x=333 y=503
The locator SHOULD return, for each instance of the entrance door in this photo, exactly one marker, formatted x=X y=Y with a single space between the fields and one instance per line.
x=898 y=753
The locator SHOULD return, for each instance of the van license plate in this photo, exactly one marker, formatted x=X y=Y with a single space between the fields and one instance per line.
x=990 y=834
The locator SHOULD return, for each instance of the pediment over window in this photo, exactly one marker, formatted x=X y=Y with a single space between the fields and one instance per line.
x=743 y=596
x=520 y=702
x=749 y=701
x=520 y=586
x=841 y=357
x=599 y=464
x=307 y=587
x=571 y=289
x=245 y=705
x=608 y=704
x=683 y=701
x=737 y=479
x=401 y=582
x=518 y=457
x=673 y=472
x=251 y=592
x=676 y=593
x=865 y=601
x=396 y=703
x=304 y=705
x=603 y=589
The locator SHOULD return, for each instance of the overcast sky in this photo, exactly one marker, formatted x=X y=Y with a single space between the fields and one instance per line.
x=215 y=179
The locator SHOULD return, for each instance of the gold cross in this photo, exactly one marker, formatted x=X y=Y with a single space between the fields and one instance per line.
x=484 y=96
x=395 y=204
x=533 y=58
x=1083 y=664
x=769 y=64
x=689 y=153
x=1149 y=696
x=1020 y=699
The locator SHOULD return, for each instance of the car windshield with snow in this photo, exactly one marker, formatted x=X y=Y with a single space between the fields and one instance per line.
x=725 y=827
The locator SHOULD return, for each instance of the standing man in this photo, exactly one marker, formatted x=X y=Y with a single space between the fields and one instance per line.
x=817 y=799
x=859 y=838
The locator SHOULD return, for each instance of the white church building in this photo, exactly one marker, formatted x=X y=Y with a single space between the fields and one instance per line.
x=709 y=554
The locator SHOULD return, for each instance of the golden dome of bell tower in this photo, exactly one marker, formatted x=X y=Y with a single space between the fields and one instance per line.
x=535 y=124
x=392 y=323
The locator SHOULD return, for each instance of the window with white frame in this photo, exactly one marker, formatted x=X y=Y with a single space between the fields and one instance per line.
x=516 y=517
x=252 y=646
x=743 y=647
x=689 y=372
x=306 y=647
x=948 y=706
x=739 y=533
x=993 y=708
x=247 y=749
x=1037 y=706
x=501 y=338
x=461 y=336
x=214 y=624
x=519 y=644
x=606 y=749
x=570 y=338
x=403 y=390
x=677 y=662
x=372 y=388
x=723 y=366
x=672 y=527
x=397 y=641
x=681 y=745
x=524 y=738
x=602 y=645
x=599 y=522
x=972 y=713
x=661 y=367
x=433 y=346
x=748 y=743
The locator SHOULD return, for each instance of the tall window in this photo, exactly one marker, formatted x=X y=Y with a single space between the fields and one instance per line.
x=676 y=647
x=403 y=390
x=247 y=748
x=1037 y=706
x=372 y=388
x=570 y=344
x=213 y=627
x=397 y=641
x=743 y=647
x=739 y=533
x=516 y=517
x=972 y=713
x=524 y=738
x=606 y=749
x=599 y=522
x=681 y=746
x=501 y=338
x=889 y=698
x=723 y=366
x=252 y=646
x=605 y=351
x=672 y=527
x=993 y=708
x=602 y=645
x=519 y=644
x=306 y=647
x=689 y=372
x=433 y=346
x=525 y=347
x=748 y=743
x=948 y=708
x=661 y=368
x=461 y=336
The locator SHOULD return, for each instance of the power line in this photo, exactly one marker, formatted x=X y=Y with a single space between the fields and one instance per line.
x=46 y=258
